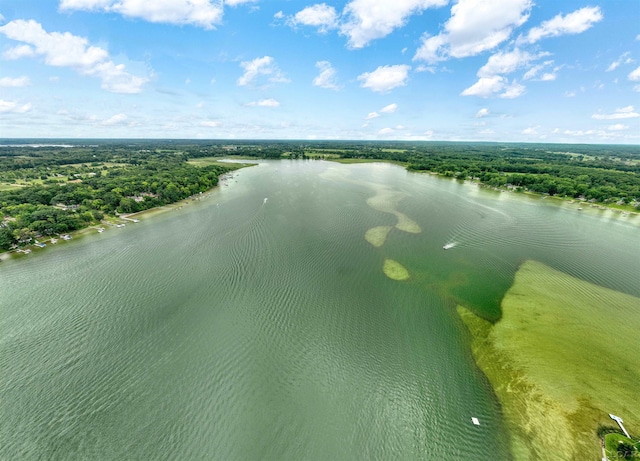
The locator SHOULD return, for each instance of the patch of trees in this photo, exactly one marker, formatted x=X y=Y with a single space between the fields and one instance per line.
x=84 y=194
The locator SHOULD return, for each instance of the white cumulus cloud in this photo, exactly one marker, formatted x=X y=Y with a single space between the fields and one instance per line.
x=202 y=13
x=388 y=109
x=265 y=65
x=237 y=2
x=620 y=113
x=634 y=76
x=513 y=90
x=474 y=26
x=68 y=50
x=385 y=78
x=264 y=103
x=117 y=119
x=482 y=112
x=14 y=82
x=506 y=62
x=623 y=59
x=391 y=108
x=11 y=107
x=210 y=123
x=17 y=52
x=489 y=86
x=321 y=15
x=617 y=127
x=572 y=23
x=327 y=76
x=485 y=87
x=385 y=131
x=367 y=20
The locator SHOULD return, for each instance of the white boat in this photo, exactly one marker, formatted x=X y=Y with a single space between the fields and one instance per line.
x=448 y=246
x=475 y=421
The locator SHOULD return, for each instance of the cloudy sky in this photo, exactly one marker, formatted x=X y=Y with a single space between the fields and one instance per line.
x=479 y=70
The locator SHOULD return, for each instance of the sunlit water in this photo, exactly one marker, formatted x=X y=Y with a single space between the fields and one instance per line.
x=239 y=328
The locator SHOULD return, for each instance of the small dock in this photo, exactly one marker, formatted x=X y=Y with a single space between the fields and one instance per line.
x=618 y=420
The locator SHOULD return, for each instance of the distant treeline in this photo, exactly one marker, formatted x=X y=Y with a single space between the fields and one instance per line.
x=52 y=190
x=603 y=174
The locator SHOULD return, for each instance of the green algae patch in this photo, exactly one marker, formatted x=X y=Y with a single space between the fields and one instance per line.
x=406 y=224
x=376 y=236
x=560 y=360
x=386 y=201
x=394 y=270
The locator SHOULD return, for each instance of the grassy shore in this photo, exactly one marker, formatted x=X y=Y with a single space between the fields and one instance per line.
x=562 y=357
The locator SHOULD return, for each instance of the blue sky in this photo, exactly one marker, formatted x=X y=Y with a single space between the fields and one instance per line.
x=471 y=70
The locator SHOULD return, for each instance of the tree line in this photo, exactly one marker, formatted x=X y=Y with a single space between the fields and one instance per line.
x=49 y=193
x=51 y=190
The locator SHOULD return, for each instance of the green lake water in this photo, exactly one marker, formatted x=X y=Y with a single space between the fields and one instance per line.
x=258 y=323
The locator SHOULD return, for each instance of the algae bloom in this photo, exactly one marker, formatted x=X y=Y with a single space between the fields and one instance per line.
x=394 y=270
x=376 y=236
x=559 y=361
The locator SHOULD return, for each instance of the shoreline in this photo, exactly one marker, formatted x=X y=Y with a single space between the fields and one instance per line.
x=113 y=221
x=235 y=160
x=622 y=209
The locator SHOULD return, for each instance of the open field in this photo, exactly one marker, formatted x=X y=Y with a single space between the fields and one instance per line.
x=321 y=154
x=367 y=160
x=207 y=161
x=5 y=186
x=562 y=357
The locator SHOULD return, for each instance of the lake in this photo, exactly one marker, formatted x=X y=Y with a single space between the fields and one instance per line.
x=258 y=322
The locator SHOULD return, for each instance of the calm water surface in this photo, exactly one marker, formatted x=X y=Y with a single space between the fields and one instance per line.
x=240 y=328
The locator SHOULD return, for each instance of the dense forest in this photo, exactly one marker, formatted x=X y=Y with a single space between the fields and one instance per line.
x=54 y=187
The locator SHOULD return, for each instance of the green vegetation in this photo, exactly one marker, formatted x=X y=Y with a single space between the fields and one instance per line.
x=65 y=189
x=386 y=201
x=603 y=174
x=619 y=447
x=51 y=189
x=394 y=270
x=376 y=236
x=217 y=161
x=561 y=359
